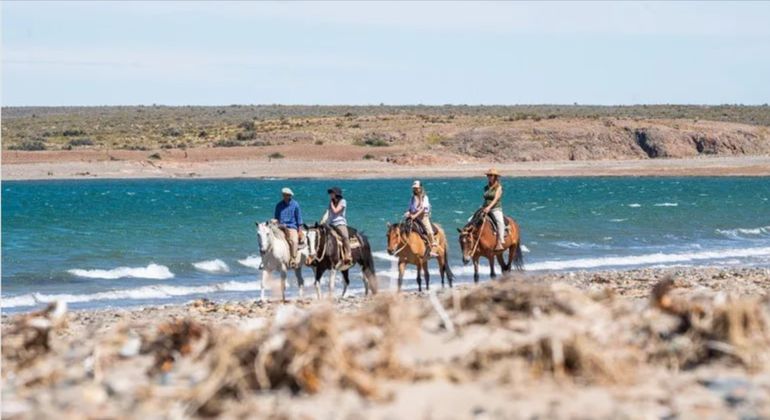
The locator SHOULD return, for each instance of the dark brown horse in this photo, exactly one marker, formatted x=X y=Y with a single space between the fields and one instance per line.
x=325 y=253
x=478 y=239
x=410 y=248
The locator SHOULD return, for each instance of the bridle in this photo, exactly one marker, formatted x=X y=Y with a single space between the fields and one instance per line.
x=476 y=245
x=402 y=239
x=316 y=258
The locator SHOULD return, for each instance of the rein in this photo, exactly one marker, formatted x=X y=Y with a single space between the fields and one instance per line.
x=484 y=220
x=402 y=238
x=316 y=258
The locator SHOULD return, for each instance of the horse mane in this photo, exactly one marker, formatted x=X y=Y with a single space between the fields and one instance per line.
x=277 y=231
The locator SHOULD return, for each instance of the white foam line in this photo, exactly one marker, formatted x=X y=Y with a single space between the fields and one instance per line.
x=212 y=266
x=152 y=271
x=158 y=291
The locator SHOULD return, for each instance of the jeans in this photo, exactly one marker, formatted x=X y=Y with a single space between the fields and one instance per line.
x=342 y=230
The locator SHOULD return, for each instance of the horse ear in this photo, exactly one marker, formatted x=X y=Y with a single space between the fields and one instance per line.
x=459 y=230
x=388 y=225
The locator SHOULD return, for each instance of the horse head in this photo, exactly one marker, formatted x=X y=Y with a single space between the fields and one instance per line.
x=264 y=237
x=467 y=242
x=394 y=237
x=312 y=239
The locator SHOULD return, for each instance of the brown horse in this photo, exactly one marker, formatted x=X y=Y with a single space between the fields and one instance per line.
x=478 y=239
x=405 y=243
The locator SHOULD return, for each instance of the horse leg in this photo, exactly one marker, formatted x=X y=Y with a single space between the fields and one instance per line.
x=346 y=279
x=501 y=261
x=427 y=275
x=475 y=270
x=401 y=269
x=492 y=267
x=265 y=281
x=332 y=275
x=284 y=274
x=300 y=282
x=441 y=261
x=419 y=277
x=318 y=274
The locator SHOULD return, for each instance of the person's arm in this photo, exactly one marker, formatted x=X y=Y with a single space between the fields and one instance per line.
x=298 y=215
x=498 y=194
x=337 y=207
x=277 y=213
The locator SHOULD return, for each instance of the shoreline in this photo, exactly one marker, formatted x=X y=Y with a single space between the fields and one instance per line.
x=172 y=166
x=607 y=341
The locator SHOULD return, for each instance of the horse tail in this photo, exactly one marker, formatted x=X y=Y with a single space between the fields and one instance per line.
x=518 y=258
x=367 y=262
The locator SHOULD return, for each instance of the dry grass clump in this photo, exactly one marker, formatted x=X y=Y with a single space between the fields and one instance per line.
x=709 y=329
x=29 y=336
x=301 y=351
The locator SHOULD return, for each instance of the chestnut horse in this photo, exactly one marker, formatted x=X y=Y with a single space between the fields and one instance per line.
x=478 y=239
x=410 y=248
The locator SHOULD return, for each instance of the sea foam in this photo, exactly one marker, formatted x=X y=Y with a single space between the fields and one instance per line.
x=212 y=266
x=743 y=233
x=152 y=271
x=252 y=261
x=156 y=291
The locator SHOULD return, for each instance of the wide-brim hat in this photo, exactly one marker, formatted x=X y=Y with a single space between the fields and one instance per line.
x=287 y=191
x=492 y=171
x=335 y=190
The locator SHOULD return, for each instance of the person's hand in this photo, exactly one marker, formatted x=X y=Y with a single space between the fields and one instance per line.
x=486 y=210
x=406 y=214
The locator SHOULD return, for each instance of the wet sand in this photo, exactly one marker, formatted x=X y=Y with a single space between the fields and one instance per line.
x=582 y=344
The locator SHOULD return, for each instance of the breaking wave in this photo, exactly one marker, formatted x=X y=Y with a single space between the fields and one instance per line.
x=252 y=261
x=745 y=233
x=152 y=271
x=212 y=266
x=157 y=291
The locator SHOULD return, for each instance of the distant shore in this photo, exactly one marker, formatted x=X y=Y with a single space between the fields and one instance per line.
x=339 y=162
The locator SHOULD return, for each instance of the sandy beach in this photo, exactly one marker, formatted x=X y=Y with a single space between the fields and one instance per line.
x=648 y=343
x=340 y=162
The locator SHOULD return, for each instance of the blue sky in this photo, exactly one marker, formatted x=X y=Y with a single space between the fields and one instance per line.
x=177 y=53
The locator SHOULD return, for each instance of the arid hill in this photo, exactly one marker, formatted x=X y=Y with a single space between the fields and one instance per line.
x=404 y=135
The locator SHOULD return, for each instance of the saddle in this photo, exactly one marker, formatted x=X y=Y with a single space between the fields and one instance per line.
x=352 y=237
x=477 y=219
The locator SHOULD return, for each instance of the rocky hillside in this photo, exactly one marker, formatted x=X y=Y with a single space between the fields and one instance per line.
x=404 y=134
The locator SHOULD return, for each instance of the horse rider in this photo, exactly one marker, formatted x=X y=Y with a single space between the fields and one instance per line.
x=336 y=217
x=419 y=211
x=289 y=217
x=493 y=197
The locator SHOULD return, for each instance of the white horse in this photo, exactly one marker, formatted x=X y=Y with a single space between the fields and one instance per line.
x=275 y=253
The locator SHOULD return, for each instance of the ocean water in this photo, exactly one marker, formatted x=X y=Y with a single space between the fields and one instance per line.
x=99 y=243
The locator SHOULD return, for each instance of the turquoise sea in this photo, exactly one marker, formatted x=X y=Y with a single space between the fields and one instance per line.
x=98 y=243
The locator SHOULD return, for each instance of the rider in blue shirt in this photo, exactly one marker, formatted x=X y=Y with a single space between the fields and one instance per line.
x=289 y=216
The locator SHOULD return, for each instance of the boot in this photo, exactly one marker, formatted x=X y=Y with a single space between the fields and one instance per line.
x=433 y=248
x=499 y=246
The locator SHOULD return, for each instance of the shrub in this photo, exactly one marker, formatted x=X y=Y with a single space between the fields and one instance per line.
x=72 y=133
x=275 y=155
x=247 y=125
x=435 y=138
x=80 y=142
x=246 y=135
x=319 y=142
x=373 y=142
x=202 y=134
x=154 y=156
x=226 y=143
x=29 y=145
x=368 y=156
x=171 y=132
x=356 y=125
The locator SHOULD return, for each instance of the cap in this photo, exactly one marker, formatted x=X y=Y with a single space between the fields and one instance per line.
x=416 y=184
x=336 y=190
x=287 y=191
